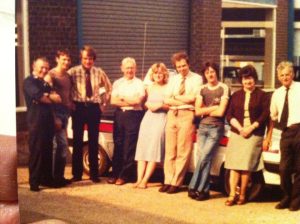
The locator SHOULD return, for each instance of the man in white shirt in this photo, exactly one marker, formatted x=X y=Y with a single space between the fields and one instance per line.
x=128 y=94
x=181 y=95
x=285 y=109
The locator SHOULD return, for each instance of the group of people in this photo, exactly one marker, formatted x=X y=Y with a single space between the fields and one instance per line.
x=175 y=106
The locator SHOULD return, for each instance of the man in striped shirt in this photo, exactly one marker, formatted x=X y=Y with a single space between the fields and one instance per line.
x=89 y=83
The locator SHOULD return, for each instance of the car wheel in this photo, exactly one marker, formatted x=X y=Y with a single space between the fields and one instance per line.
x=255 y=185
x=102 y=160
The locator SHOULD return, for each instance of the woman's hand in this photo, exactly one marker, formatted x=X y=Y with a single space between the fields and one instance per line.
x=266 y=145
x=246 y=131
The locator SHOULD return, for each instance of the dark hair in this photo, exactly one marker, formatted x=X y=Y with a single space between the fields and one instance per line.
x=62 y=52
x=90 y=51
x=178 y=56
x=248 y=71
x=206 y=66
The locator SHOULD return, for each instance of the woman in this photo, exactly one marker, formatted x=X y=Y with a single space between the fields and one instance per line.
x=248 y=115
x=150 y=146
x=211 y=103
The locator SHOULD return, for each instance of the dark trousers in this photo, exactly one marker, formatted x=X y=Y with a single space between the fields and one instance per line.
x=290 y=163
x=90 y=114
x=41 y=132
x=125 y=134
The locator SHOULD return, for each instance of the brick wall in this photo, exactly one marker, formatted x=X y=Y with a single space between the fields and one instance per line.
x=205 y=41
x=52 y=26
x=282 y=31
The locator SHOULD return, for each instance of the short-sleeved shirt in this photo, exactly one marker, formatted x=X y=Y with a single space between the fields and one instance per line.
x=192 y=85
x=62 y=84
x=129 y=88
x=212 y=96
x=99 y=80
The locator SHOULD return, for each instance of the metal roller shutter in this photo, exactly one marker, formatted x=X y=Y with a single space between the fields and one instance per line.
x=117 y=28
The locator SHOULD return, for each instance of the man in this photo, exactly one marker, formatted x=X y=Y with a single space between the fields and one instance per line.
x=285 y=109
x=181 y=94
x=128 y=94
x=39 y=100
x=87 y=81
x=61 y=83
x=211 y=103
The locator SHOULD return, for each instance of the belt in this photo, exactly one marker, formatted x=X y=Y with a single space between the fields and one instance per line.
x=124 y=110
x=293 y=126
x=87 y=104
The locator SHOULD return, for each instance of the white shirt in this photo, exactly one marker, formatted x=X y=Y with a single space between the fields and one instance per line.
x=193 y=83
x=129 y=88
x=277 y=103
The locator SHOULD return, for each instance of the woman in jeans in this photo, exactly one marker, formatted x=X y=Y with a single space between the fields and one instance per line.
x=210 y=105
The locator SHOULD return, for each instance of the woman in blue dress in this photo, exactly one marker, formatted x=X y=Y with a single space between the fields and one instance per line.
x=150 y=145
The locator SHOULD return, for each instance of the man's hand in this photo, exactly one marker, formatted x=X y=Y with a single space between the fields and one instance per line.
x=54 y=97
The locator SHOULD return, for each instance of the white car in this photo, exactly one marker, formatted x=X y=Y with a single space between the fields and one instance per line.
x=218 y=173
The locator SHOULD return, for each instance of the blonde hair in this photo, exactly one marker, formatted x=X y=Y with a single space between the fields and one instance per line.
x=159 y=67
x=128 y=60
x=285 y=64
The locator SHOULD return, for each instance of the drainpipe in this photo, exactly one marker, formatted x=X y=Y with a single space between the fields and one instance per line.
x=291 y=16
x=79 y=24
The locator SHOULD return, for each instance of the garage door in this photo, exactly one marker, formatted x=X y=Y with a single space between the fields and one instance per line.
x=149 y=31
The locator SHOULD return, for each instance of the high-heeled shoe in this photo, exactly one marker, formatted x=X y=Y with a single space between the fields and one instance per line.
x=231 y=200
x=242 y=200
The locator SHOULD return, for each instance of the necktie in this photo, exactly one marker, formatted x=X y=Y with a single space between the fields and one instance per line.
x=182 y=86
x=180 y=92
x=88 y=84
x=285 y=112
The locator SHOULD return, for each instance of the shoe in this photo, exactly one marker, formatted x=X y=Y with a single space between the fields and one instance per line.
x=294 y=205
x=230 y=201
x=66 y=181
x=34 y=188
x=111 y=180
x=191 y=193
x=173 y=189
x=241 y=201
x=284 y=203
x=120 y=181
x=76 y=179
x=201 y=196
x=95 y=179
x=51 y=183
x=164 y=188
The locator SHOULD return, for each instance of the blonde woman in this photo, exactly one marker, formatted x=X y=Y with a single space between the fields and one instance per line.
x=150 y=146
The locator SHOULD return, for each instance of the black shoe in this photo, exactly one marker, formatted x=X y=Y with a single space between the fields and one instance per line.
x=95 y=179
x=49 y=183
x=164 y=188
x=284 y=203
x=173 y=190
x=192 y=193
x=62 y=182
x=202 y=196
x=76 y=179
x=34 y=188
x=66 y=181
x=294 y=205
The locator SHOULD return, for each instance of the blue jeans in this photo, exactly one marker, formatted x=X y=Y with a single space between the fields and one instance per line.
x=60 y=145
x=209 y=136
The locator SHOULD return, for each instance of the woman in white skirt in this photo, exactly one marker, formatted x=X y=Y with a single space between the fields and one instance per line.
x=248 y=115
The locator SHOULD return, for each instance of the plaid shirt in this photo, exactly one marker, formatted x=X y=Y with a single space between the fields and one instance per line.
x=99 y=80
